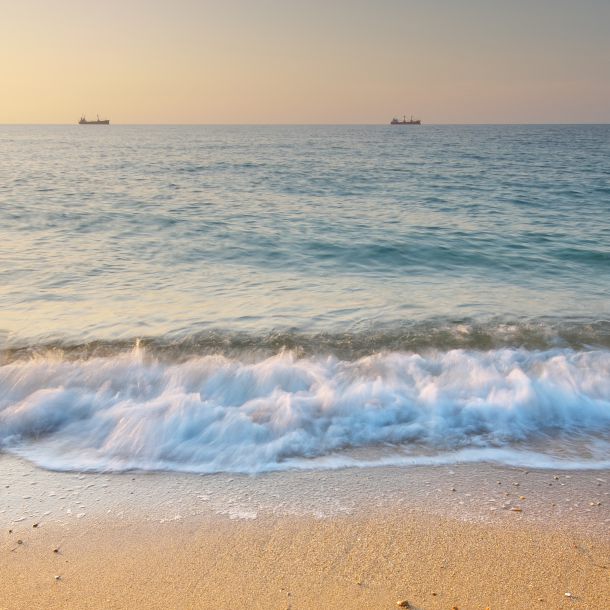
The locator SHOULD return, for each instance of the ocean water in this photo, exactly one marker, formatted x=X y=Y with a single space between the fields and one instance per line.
x=245 y=299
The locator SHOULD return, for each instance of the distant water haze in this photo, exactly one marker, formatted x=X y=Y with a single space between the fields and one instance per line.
x=305 y=62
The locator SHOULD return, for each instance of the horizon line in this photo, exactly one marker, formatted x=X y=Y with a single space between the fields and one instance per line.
x=308 y=124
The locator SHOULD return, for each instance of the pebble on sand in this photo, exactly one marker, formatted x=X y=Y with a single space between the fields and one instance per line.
x=403 y=603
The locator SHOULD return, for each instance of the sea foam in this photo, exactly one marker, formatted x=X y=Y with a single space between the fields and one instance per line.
x=214 y=413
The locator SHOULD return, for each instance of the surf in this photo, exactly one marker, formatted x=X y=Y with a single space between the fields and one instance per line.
x=217 y=413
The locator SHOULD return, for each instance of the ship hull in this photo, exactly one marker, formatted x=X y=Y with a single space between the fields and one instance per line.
x=107 y=122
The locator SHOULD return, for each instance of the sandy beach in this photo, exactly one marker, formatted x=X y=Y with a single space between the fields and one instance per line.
x=305 y=305
x=470 y=537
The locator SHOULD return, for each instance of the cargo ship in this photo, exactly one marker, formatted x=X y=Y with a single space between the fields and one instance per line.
x=404 y=121
x=84 y=121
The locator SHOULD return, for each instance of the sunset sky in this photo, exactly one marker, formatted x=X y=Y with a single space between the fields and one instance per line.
x=305 y=61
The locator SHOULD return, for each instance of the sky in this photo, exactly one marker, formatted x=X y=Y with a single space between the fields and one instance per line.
x=305 y=61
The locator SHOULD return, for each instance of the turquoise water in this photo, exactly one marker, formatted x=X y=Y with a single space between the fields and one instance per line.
x=124 y=232
x=452 y=281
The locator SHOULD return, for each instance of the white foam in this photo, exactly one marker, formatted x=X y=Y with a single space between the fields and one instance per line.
x=212 y=413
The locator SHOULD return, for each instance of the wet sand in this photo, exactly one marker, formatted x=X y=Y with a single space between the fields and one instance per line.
x=435 y=537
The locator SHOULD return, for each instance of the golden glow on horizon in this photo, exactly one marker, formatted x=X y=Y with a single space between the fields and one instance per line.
x=273 y=61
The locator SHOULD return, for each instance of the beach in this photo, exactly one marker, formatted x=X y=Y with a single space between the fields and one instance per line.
x=305 y=367
x=265 y=345
x=465 y=536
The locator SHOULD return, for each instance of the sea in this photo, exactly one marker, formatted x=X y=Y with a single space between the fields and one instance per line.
x=246 y=299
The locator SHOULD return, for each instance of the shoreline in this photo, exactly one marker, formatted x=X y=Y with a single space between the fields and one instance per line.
x=330 y=539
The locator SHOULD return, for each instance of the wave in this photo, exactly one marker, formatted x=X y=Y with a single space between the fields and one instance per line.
x=416 y=336
x=213 y=413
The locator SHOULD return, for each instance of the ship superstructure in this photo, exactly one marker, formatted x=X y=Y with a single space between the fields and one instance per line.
x=404 y=121
x=84 y=121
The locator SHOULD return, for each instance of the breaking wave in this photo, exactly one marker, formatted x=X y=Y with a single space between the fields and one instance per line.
x=219 y=413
